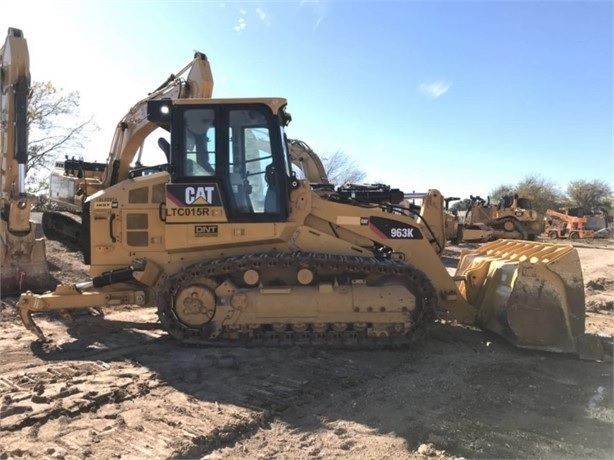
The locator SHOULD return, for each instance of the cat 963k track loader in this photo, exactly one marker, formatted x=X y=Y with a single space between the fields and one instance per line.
x=23 y=262
x=232 y=248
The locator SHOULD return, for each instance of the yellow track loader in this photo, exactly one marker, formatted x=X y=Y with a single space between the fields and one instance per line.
x=24 y=265
x=452 y=228
x=512 y=218
x=233 y=248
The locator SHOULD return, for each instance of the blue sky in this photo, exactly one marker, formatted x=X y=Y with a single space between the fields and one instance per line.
x=459 y=96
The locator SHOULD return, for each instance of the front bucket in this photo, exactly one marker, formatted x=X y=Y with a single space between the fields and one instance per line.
x=530 y=293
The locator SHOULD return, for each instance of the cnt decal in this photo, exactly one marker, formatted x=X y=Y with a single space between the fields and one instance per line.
x=205 y=230
x=388 y=228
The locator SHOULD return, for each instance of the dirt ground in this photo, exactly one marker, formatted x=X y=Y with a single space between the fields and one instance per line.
x=118 y=387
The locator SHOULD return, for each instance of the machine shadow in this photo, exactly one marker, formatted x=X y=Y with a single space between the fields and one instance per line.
x=412 y=393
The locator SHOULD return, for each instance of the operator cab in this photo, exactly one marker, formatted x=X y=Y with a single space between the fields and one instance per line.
x=227 y=152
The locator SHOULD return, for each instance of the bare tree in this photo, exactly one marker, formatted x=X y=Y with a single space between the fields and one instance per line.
x=340 y=169
x=55 y=128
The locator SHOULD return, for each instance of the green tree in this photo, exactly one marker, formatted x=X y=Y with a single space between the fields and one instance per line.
x=340 y=169
x=56 y=128
x=590 y=194
x=501 y=191
x=461 y=205
x=542 y=192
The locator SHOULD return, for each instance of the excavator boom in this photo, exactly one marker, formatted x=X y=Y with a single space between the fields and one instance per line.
x=73 y=181
x=304 y=158
x=24 y=265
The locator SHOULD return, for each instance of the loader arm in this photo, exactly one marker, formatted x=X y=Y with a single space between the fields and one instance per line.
x=23 y=256
x=431 y=214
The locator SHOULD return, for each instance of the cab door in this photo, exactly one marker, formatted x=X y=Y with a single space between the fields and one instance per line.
x=227 y=185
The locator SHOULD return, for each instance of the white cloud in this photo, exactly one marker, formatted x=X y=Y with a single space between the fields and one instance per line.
x=319 y=9
x=435 y=89
x=264 y=17
x=240 y=26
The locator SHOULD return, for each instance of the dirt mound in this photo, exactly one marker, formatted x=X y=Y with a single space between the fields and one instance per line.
x=601 y=284
x=597 y=305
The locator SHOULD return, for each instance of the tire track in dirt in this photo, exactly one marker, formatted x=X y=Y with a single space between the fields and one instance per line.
x=157 y=398
x=40 y=395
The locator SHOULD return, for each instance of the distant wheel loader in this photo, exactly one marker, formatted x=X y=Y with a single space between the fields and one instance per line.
x=233 y=249
x=512 y=218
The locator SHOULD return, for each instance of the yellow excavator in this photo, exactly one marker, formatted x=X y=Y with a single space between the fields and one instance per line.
x=73 y=181
x=308 y=164
x=24 y=265
x=233 y=248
